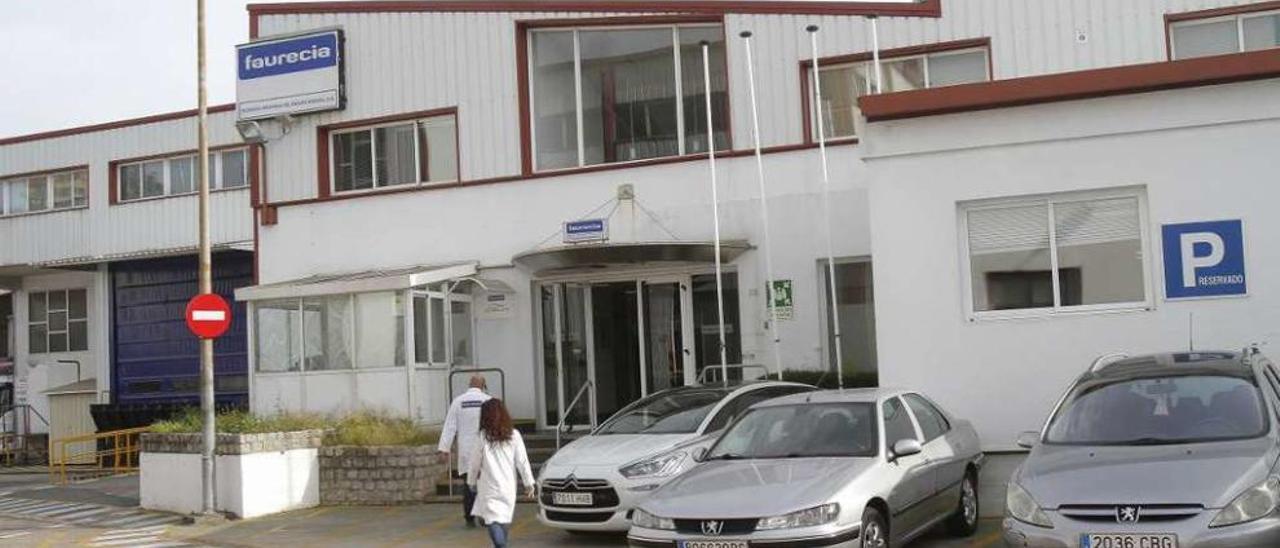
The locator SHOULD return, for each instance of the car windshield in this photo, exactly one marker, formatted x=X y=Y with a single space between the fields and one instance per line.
x=801 y=430
x=679 y=412
x=1160 y=410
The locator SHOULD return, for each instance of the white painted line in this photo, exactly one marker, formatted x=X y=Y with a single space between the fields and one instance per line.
x=132 y=530
x=209 y=315
x=163 y=545
x=36 y=510
x=25 y=506
x=159 y=522
x=128 y=520
x=70 y=510
x=131 y=533
x=125 y=542
x=15 y=534
x=92 y=511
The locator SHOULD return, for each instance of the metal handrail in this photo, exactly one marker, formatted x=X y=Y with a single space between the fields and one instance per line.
x=589 y=388
x=11 y=439
x=124 y=452
x=1106 y=359
x=702 y=377
x=502 y=377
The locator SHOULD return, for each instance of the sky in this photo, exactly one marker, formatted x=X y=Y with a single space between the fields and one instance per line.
x=68 y=63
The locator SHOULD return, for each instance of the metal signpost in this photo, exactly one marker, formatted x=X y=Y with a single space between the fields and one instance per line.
x=206 y=269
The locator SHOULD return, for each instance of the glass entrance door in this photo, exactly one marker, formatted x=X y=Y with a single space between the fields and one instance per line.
x=632 y=338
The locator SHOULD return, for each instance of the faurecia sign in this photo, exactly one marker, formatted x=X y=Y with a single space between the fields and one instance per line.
x=294 y=74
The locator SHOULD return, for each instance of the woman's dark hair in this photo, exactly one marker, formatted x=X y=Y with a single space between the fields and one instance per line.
x=495 y=421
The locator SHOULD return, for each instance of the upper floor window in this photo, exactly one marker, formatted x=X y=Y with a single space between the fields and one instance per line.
x=843 y=83
x=45 y=192
x=1227 y=34
x=57 y=321
x=1057 y=253
x=606 y=95
x=397 y=153
x=175 y=176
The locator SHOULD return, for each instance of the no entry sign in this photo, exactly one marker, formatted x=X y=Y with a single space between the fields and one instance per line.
x=208 y=316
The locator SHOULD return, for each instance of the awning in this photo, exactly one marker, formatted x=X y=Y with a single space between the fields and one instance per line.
x=359 y=282
x=597 y=256
x=86 y=386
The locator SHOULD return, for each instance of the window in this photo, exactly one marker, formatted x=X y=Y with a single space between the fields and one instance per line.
x=394 y=154
x=46 y=192
x=897 y=424
x=1057 y=254
x=735 y=407
x=601 y=96
x=843 y=83
x=1223 y=35
x=57 y=321
x=855 y=299
x=932 y=422
x=176 y=175
x=429 y=331
x=330 y=333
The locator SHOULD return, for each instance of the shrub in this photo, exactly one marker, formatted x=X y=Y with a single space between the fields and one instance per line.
x=828 y=379
x=363 y=428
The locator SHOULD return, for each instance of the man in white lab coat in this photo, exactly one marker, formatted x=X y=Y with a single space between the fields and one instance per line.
x=463 y=421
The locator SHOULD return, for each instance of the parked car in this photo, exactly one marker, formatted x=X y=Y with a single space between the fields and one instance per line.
x=869 y=467
x=1162 y=451
x=593 y=483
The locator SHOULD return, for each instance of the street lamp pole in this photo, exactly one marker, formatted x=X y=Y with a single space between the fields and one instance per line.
x=206 y=268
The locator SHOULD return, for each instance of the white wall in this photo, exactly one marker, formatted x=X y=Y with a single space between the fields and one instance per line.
x=248 y=486
x=104 y=230
x=1202 y=154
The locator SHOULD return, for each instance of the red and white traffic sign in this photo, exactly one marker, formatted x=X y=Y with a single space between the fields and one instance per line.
x=208 y=316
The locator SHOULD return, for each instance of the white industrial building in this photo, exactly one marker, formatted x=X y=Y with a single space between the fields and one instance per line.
x=414 y=228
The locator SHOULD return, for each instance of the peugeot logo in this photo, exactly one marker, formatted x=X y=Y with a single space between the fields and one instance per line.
x=1128 y=514
x=712 y=527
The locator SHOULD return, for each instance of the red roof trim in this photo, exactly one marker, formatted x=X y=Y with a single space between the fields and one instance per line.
x=1070 y=86
x=922 y=8
x=168 y=116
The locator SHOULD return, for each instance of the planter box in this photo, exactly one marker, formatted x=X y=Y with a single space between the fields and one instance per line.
x=255 y=474
x=380 y=475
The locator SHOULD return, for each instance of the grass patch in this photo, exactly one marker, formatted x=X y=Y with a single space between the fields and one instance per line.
x=363 y=428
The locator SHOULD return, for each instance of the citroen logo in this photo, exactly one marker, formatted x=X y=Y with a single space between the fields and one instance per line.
x=1128 y=514
x=571 y=482
x=712 y=527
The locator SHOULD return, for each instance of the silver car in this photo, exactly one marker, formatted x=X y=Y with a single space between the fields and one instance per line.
x=1162 y=451
x=867 y=467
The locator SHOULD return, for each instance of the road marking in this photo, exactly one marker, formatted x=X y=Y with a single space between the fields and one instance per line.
x=15 y=534
x=988 y=540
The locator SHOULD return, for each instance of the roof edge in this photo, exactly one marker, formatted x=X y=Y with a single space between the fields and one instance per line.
x=920 y=8
x=1071 y=86
x=106 y=126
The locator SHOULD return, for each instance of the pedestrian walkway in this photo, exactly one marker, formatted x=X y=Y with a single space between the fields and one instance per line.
x=85 y=514
x=139 y=537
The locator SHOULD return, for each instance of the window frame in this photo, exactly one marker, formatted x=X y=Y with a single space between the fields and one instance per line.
x=446 y=309
x=216 y=184
x=353 y=332
x=331 y=134
x=1237 y=14
x=931 y=407
x=48 y=333
x=966 y=259
x=48 y=175
x=808 y=110
x=527 y=93
x=886 y=445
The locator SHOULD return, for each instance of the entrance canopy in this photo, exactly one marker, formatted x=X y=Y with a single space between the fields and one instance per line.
x=365 y=282
x=599 y=256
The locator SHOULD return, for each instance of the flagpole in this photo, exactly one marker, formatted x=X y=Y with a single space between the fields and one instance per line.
x=826 y=205
x=764 y=208
x=715 y=210
x=875 y=54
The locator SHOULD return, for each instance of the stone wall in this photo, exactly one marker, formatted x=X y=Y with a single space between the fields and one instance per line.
x=233 y=444
x=380 y=475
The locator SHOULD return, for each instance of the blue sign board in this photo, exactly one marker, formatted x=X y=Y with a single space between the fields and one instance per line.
x=300 y=54
x=1204 y=259
x=589 y=230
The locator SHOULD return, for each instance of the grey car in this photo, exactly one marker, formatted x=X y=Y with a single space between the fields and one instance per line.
x=867 y=467
x=1173 y=450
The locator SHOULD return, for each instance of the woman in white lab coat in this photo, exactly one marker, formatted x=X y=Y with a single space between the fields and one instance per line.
x=494 y=464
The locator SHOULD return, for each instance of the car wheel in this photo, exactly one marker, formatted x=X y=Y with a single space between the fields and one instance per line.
x=964 y=522
x=875 y=532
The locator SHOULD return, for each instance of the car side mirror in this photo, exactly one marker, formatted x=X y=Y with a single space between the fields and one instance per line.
x=906 y=448
x=699 y=453
x=1027 y=440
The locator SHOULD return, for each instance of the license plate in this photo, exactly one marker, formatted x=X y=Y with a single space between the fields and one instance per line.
x=713 y=544
x=1128 y=540
x=571 y=499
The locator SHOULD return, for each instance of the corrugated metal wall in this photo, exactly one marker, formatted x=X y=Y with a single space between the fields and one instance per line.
x=404 y=62
x=106 y=230
x=154 y=357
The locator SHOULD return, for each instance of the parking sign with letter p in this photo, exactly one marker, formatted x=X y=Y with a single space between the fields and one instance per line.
x=1204 y=259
